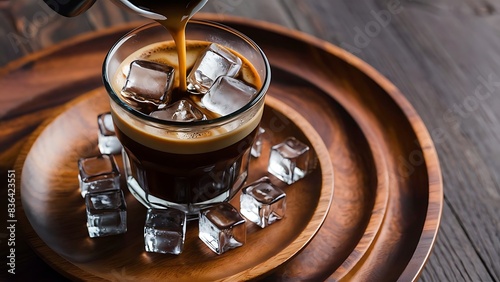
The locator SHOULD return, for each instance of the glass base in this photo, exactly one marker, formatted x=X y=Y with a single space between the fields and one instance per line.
x=149 y=201
x=191 y=209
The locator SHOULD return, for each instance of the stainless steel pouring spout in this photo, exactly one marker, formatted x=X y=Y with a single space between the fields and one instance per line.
x=72 y=8
x=139 y=11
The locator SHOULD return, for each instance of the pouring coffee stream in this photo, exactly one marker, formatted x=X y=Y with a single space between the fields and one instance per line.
x=172 y=14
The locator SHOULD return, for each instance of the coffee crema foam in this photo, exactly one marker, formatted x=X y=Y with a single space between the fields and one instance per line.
x=192 y=140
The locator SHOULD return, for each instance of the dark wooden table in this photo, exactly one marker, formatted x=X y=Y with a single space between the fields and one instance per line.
x=443 y=55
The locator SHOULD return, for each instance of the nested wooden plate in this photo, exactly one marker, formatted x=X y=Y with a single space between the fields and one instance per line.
x=56 y=211
x=388 y=191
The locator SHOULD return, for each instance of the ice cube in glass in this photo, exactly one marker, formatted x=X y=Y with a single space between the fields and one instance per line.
x=99 y=173
x=164 y=231
x=148 y=83
x=214 y=62
x=106 y=213
x=228 y=95
x=256 y=150
x=290 y=160
x=262 y=202
x=182 y=110
x=108 y=143
x=221 y=228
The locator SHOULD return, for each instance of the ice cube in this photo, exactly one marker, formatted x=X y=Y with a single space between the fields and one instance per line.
x=262 y=203
x=108 y=143
x=106 y=213
x=164 y=231
x=98 y=174
x=148 y=83
x=228 y=95
x=214 y=62
x=291 y=160
x=257 y=144
x=181 y=110
x=221 y=228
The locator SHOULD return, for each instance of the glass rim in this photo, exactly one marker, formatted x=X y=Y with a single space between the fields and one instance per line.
x=216 y=121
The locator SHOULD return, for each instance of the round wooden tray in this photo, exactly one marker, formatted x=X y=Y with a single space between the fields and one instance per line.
x=388 y=189
x=56 y=211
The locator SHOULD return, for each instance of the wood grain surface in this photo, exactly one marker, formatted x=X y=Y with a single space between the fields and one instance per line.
x=442 y=55
x=356 y=112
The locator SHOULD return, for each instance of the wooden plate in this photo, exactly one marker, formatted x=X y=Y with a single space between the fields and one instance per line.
x=56 y=211
x=388 y=189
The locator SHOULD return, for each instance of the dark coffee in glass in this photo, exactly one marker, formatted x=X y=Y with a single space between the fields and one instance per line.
x=186 y=165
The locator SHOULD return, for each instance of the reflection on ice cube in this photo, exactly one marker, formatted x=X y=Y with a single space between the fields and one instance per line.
x=98 y=174
x=291 y=160
x=221 y=228
x=106 y=213
x=182 y=110
x=108 y=143
x=228 y=95
x=164 y=231
x=148 y=83
x=214 y=62
x=262 y=203
x=257 y=144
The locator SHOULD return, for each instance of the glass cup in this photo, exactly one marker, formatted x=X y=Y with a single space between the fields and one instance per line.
x=186 y=165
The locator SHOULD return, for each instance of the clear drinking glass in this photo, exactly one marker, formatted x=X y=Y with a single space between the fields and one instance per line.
x=186 y=165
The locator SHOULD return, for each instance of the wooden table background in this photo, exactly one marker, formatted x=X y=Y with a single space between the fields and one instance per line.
x=443 y=55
